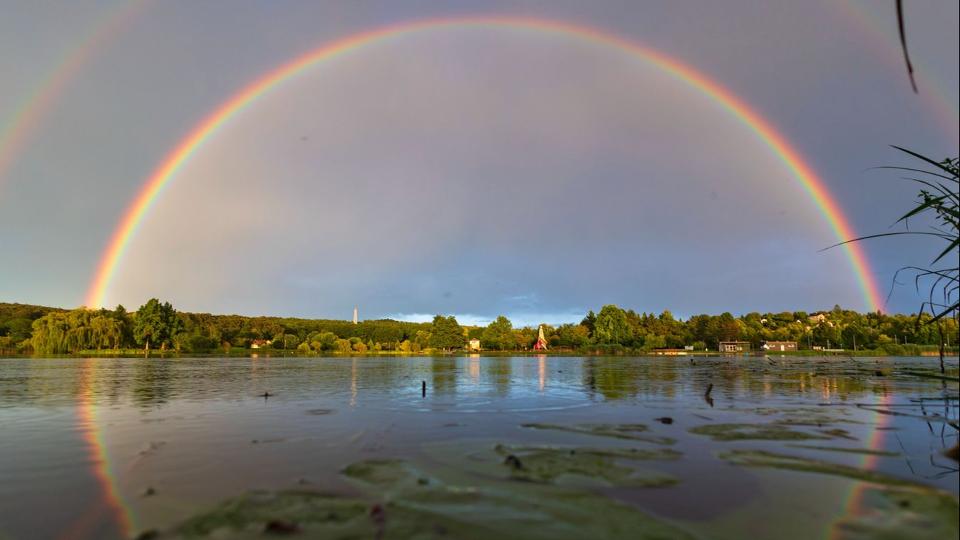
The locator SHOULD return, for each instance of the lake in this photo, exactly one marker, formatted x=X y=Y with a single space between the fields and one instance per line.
x=522 y=447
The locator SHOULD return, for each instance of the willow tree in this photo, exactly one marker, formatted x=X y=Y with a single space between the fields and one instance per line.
x=105 y=332
x=50 y=334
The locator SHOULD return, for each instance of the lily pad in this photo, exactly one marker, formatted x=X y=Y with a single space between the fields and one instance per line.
x=632 y=432
x=753 y=432
x=547 y=464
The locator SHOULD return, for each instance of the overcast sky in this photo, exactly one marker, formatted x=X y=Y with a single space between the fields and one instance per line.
x=466 y=170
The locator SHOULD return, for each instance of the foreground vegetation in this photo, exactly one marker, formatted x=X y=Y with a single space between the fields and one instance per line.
x=26 y=329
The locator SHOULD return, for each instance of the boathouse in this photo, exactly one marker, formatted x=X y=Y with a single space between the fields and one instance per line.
x=734 y=347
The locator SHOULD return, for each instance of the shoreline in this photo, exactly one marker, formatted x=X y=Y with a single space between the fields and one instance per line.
x=599 y=353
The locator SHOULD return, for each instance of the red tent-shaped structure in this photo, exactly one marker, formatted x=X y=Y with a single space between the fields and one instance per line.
x=541 y=344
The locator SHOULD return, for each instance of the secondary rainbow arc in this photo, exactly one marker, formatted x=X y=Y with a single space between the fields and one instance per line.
x=174 y=161
x=933 y=90
x=28 y=116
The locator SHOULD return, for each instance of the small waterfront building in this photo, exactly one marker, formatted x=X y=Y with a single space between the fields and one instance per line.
x=779 y=346
x=734 y=347
x=260 y=343
x=473 y=345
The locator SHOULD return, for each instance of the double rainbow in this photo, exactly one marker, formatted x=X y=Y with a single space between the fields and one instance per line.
x=162 y=176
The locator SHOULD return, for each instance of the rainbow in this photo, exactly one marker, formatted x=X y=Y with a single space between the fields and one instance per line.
x=29 y=114
x=112 y=502
x=853 y=501
x=188 y=146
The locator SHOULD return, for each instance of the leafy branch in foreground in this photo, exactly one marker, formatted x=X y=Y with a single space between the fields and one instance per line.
x=939 y=199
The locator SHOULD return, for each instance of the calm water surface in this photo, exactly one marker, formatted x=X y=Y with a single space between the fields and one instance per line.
x=108 y=448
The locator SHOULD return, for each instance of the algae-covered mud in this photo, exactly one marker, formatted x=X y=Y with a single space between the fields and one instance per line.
x=532 y=447
x=398 y=501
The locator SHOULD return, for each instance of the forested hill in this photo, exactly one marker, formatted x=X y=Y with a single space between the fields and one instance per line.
x=16 y=320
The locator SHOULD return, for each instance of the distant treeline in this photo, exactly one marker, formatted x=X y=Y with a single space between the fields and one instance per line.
x=157 y=325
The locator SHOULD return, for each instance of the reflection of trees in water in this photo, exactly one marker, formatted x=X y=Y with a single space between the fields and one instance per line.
x=830 y=387
x=659 y=378
x=41 y=379
x=589 y=376
x=369 y=374
x=380 y=374
x=50 y=379
x=443 y=372
x=820 y=379
x=620 y=378
x=100 y=381
x=613 y=378
x=500 y=370
x=148 y=382
x=151 y=382
x=617 y=378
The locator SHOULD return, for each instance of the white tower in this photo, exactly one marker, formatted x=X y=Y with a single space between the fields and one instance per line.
x=354 y=314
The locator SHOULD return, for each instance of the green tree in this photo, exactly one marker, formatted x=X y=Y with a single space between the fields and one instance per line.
x=343 y=345
x=156 y=323
x=18 y=329
x=573 y=335
x=126 y=328
x=49 y=334
x=589 y=321
x=106 y=332
x=611 y=326
x=498 y=334
x=446 y=333
x=727 y=328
